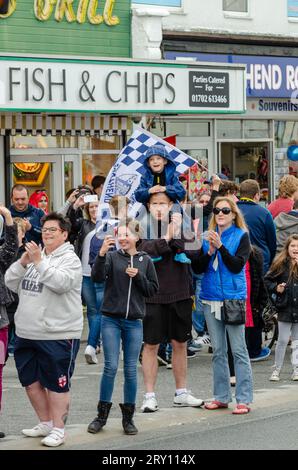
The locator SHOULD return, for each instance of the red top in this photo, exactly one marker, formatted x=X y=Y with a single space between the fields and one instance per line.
x=282 y=204
x=249 y=317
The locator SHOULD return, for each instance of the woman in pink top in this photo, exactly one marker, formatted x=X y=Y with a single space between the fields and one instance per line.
x=287 y=194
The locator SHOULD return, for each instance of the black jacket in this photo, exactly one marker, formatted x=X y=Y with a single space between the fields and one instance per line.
x=287 y=302
x=258 y=295
x=124 y=297
x=80 y=228
x=8 y=253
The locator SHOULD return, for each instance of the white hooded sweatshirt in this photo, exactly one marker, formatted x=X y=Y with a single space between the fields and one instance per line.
x=50 y=306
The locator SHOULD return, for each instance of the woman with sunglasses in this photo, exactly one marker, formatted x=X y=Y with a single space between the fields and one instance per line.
x=227 y=244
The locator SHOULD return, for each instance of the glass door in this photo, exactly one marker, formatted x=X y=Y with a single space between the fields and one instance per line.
x=39 y=172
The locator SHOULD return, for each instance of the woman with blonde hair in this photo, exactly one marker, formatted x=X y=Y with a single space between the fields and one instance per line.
x=282 y=285
x=287 y=194
x=223 y=295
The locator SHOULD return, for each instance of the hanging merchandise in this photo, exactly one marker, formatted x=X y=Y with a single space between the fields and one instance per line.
x=263 y=169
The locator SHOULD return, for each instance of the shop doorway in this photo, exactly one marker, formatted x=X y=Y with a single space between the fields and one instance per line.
x=55 y=174
x=241 y=161
x=202 y=152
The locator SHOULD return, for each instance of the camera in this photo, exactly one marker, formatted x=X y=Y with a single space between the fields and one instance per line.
x=84 y=190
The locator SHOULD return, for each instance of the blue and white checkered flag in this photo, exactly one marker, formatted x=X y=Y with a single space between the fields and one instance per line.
x=124 y=177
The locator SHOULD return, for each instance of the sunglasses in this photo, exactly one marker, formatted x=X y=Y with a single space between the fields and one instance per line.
x=224 y=210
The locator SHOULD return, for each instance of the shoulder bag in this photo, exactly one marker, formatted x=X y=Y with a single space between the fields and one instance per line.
x=233 y=310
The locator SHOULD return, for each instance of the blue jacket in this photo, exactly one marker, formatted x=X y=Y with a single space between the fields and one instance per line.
x=261 y=229
x=221 y=284
x=174 y=188
x=33 y=214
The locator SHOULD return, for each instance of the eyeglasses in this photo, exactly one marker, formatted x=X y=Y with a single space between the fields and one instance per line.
x=50 y=229
x=224 y=210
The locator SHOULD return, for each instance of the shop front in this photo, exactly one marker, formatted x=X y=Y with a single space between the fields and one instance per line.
x=253 y=145
x=62 y=121
x=42 y=145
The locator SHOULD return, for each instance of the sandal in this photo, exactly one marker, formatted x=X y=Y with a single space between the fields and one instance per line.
x=241 y=409
x=215 y=405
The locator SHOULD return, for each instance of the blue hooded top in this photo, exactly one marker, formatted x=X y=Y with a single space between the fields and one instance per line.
x=174 y=189
x=34 y=215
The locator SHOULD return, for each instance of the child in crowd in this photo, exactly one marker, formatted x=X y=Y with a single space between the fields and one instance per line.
x=129 y=277
x=282 y=284
x=161 y=176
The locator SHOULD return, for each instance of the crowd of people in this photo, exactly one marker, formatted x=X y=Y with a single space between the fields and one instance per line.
x=154 y=287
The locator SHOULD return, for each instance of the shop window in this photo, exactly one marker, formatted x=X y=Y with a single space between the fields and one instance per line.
x=236 y=6
x=286 y=135
x=96 y=164
x=102 y=142
x=189 y=129
x=256 y=129
x=293 y=9
x=229 y=129
x=43 y=141
x=243 y=161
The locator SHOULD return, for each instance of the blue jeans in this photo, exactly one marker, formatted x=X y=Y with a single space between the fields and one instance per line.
x=92 y=293
x=221 y=374
x=198 y=318
x=131 y=334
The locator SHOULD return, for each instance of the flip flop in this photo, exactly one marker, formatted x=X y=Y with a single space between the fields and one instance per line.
x=241 y=410
x=215 y=405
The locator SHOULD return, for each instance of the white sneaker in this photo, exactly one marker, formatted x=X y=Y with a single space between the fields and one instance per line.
x=54 y=439
x=187 y=399
x=295 y=374
x=90 y=355
x=40 y=430
x=149 y=405
x=204 y=340
x=275 y=376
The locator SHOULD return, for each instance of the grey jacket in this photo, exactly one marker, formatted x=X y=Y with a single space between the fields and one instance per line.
x=8 y=253
x=286 y=225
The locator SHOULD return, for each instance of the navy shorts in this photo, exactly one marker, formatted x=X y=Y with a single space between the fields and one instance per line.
x=50 y=362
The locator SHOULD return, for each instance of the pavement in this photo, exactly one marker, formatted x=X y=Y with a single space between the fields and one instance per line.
x=164 y=429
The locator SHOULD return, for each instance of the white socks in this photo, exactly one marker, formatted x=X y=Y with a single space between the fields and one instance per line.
x=59 y=431
x=49 y=424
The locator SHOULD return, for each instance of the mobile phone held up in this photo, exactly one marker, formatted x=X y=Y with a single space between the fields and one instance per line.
x=90 y=198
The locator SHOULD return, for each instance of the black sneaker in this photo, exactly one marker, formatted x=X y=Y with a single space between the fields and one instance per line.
x=2 y=435
x=162 y=358
x=190 y=354
x=141 y=354
x=169 y=359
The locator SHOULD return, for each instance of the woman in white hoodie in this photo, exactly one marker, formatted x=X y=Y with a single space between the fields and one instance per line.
x=49 y=324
